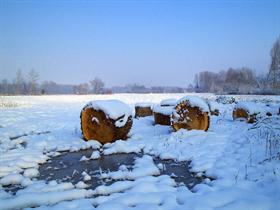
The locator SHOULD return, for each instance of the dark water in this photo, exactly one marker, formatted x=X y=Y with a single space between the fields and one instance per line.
x=67 y=167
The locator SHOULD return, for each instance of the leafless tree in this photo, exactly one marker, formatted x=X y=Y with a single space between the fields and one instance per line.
x=274 y=70
x=19 y=83
x=33 y=78
x=81 y=88
x=97 y=85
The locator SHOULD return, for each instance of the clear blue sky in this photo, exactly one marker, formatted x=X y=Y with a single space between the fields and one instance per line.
x=148 y=42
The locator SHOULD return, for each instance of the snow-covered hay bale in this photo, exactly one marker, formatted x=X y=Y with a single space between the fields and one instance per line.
x=248 y=111
x=214 y=107
x=191 y=112
x=168 y=102
x=225 y=99
x=106 y=120
x=143 y=109
x=162 y=114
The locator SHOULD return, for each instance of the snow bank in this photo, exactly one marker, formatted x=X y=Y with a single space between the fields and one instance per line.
x=165 y=110
x=168 y=102
x=144 y=105
x=213 y=105
x=251 y=107
x=40 y=193
x=11 y=179
x=122 y=147
x=17 y=160
x=143 y=166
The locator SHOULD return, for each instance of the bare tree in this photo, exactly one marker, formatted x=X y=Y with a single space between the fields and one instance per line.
x=274 y=70
x=97 y=85
x=81 y=88
x=33 y=78
x=19 y=83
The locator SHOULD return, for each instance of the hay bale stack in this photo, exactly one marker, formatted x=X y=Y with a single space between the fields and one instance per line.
x=106 y=120
x=214 y=107
x=162 y=114
x=248 y=111
x=143 y=109
x=191 y=112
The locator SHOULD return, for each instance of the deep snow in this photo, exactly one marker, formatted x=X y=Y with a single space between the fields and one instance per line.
x=243 y=159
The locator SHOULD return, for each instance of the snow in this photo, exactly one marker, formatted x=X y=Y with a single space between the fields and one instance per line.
x=165 y=110
x=121 y=147
x=213 y=105
x=144 y=105
x=11 y=179
x=114 y=109
x=31 y=172
x=95 y=155
x=143 y=167
x=241 y=159
x=84 y=158
x=81 y=185
x=168 y=102
x=195 y=101
x=250 y=107
x=86 y=176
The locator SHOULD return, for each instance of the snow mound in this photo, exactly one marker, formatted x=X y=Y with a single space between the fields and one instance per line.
x=11 y=179
x=251 y=107
x=213 y=105
x=168 y=102
x=165 y=110
x=144 y=104
x=144 y=166
x=31 y=172
x=40 y=193
x=195 y=101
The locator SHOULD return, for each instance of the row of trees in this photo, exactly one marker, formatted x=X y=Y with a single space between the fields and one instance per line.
x=239 y=80
x=20 y=85
x=138 y=88
x=29 y=85
x=242 y=80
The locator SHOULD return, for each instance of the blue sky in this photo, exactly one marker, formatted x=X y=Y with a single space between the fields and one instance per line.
x=148 y=42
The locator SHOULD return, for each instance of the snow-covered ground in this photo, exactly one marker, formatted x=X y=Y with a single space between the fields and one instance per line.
x=241 y=159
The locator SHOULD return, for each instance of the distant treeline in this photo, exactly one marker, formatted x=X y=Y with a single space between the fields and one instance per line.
x=231 y=81
x=28 y=85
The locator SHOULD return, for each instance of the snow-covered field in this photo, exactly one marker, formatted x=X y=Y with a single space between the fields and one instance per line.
x=240 y=159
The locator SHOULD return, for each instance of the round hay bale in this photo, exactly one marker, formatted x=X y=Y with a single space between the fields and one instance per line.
x=106 y=121
x=248 y=111
x=162 y=115
x=191 y=112
x=168 y=102
x=143 y=109
x=214 y=107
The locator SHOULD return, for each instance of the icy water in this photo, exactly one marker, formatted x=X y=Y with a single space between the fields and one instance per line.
x=68 y=167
